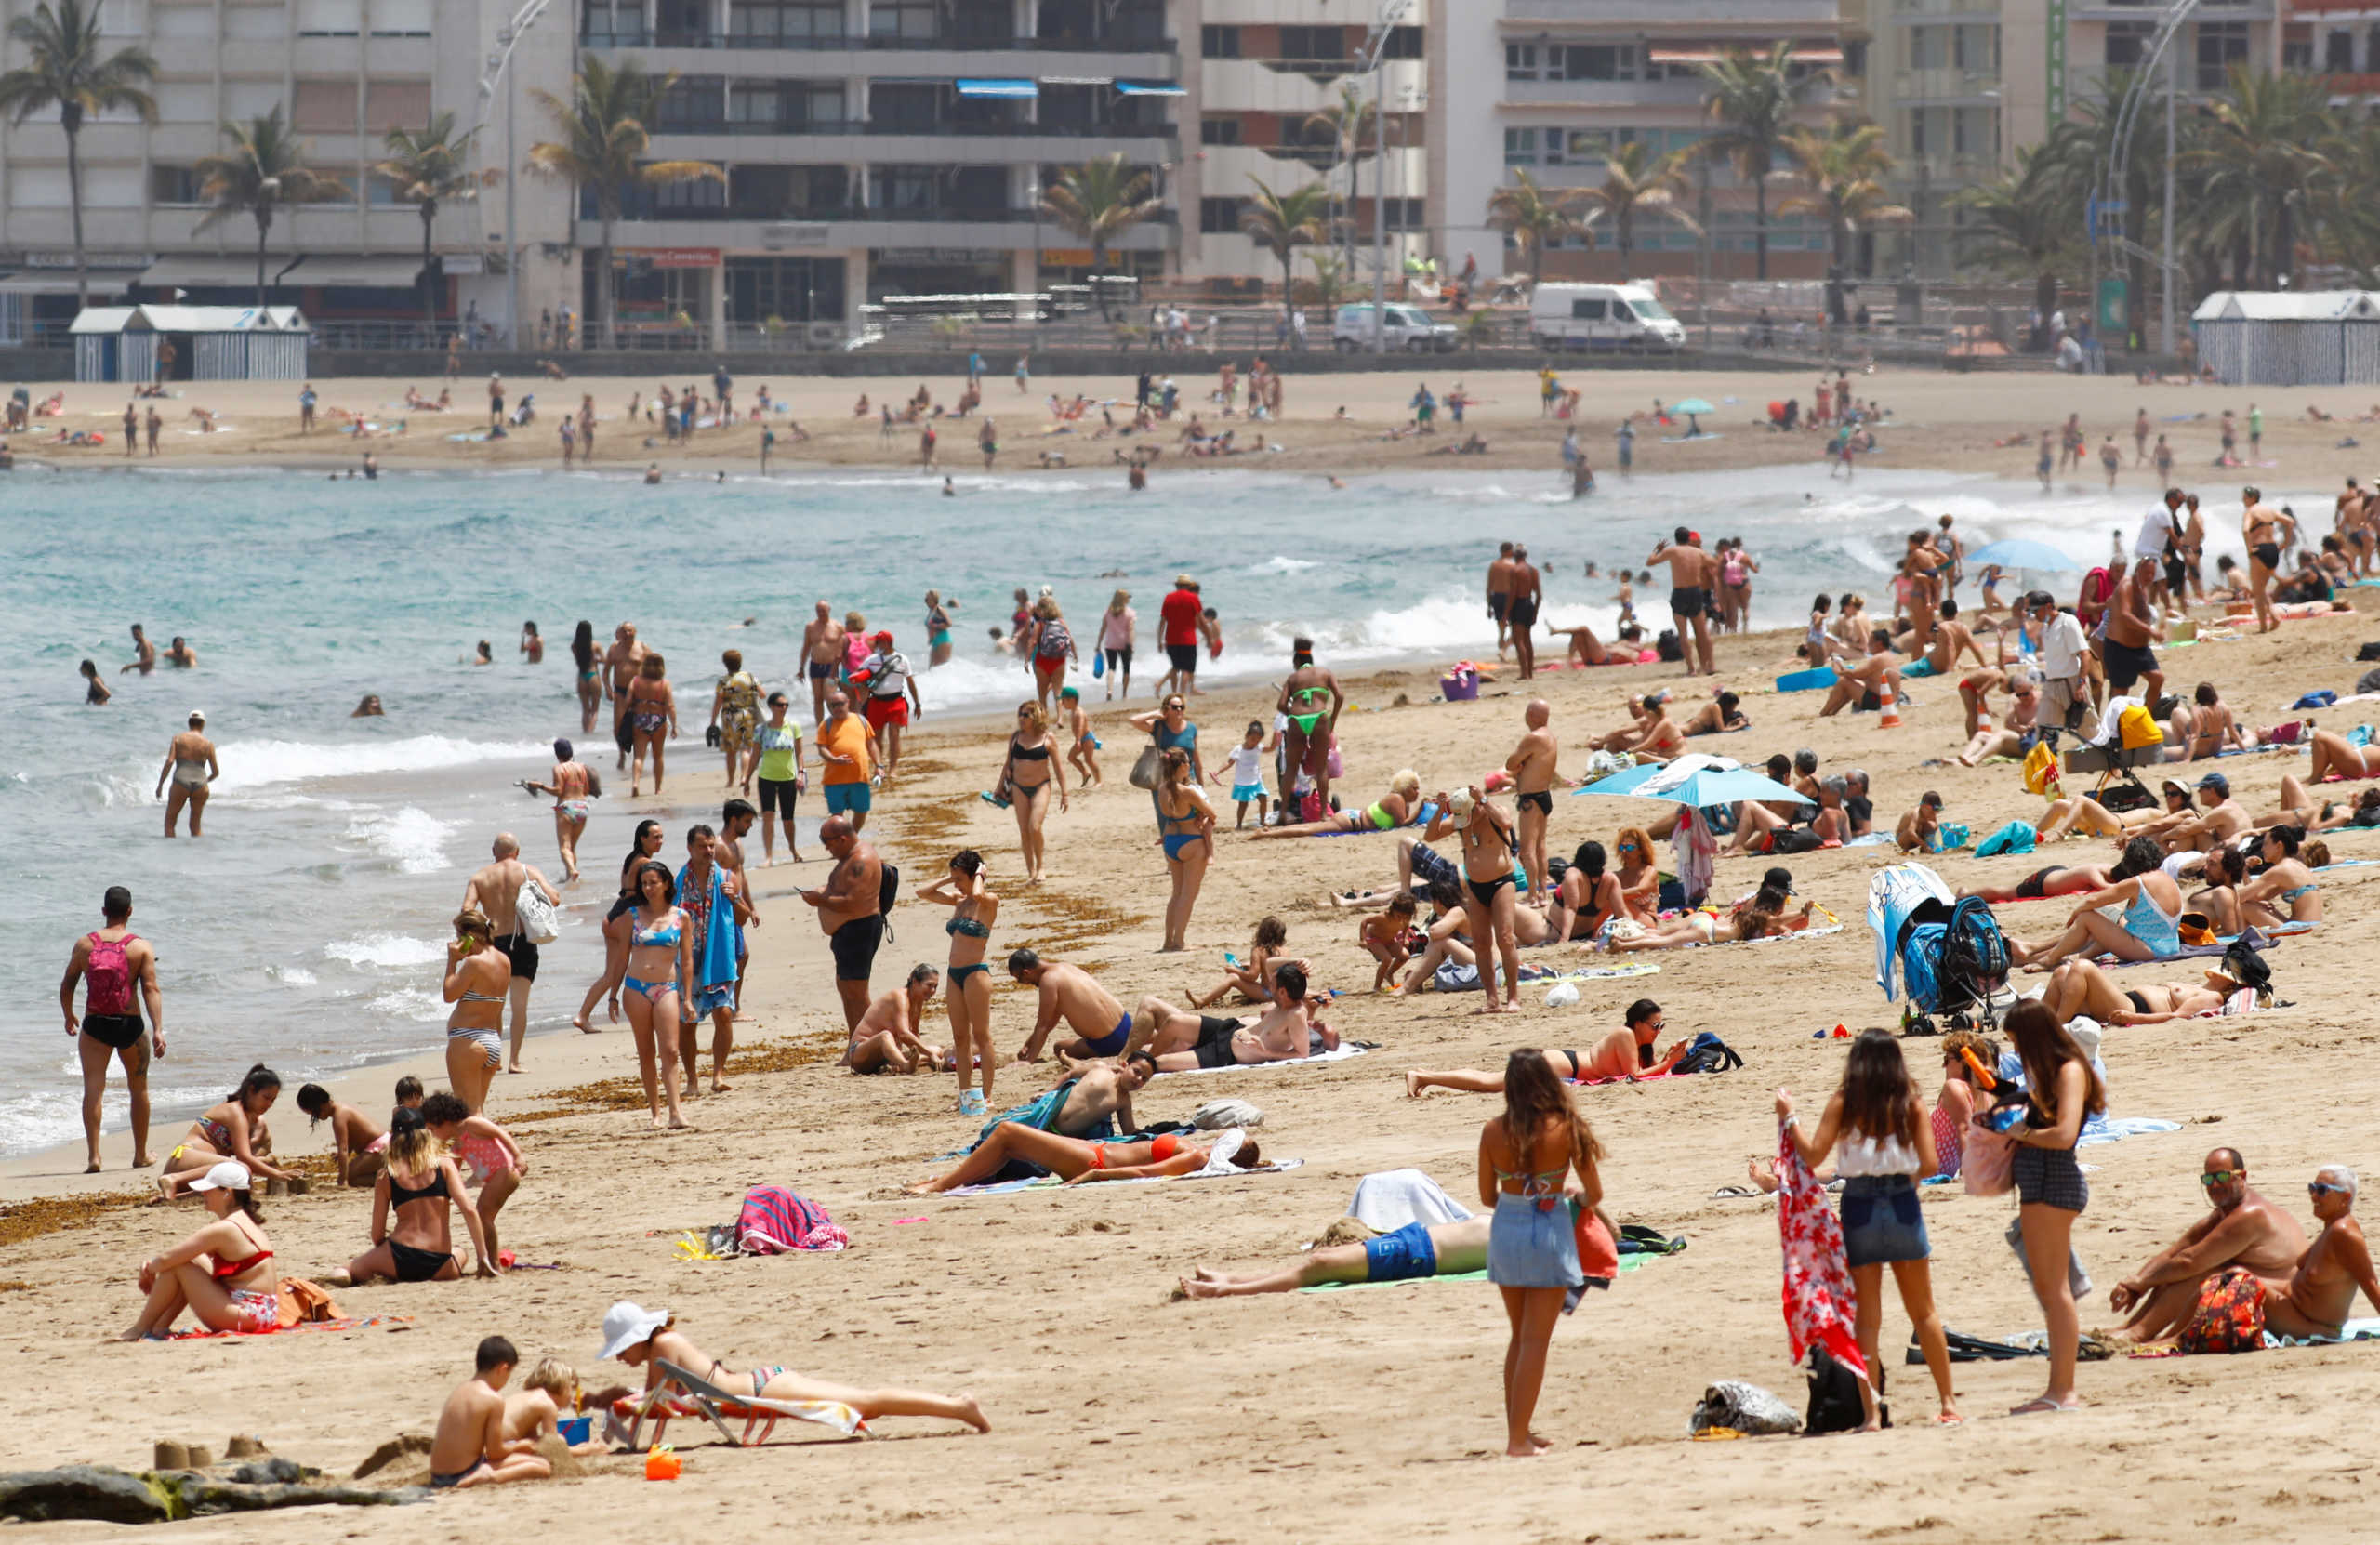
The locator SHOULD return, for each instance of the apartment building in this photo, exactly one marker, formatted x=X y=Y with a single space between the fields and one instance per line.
x=875 y=148
x=344 y=73
x=1267 y=71
x=1555 y=87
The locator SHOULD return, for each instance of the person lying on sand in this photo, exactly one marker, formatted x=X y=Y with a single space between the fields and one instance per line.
x=1757 y=920
x=2241 y=1228
x=1717 y=717
x=1400 y=806
x=2084 y=987
x=2336 y=756
x=1626 y=1052
x=1419 y=866
x=2298 y=808
x=1416 y=1251
x=470 y=1448
x=647 y=1338
x=1181 y=1041
x=885 y=1039
x=1584 y=646
x=241 y=1291
x=2051 y=880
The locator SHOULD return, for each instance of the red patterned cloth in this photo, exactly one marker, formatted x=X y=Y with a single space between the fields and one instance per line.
x=2230 y=1314
x=1818 y=1297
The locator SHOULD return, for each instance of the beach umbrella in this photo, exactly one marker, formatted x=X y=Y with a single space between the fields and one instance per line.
x=2016 y=552
x=1701 y=788
x=1692 y=407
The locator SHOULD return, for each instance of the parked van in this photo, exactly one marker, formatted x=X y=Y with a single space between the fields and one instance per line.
x=1409 y=328
x=1602 y=316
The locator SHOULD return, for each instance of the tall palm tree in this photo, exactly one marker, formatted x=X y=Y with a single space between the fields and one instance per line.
x=2025 y=223
x=1752 y=97
x=1098 y=202
x=1634 y=182
x=1282 y=222
x=1354 y=126
x=265 y=169
x=1330 y=279
x=1533 y=216
x=66 y=72
x=2264 y=155
x=428 y=169
x=1844 y=173
x=601 y=134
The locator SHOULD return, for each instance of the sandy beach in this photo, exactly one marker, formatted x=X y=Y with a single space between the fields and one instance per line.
x=1116 y=1409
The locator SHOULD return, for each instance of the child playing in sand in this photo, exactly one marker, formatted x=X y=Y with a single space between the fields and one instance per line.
x=1247 y=768
x=1384 y=937
x=1253 y=981
x=536 y=1409
x=1082 y=752
x=409 y=1093
x=646 y=1337
x=356 y=1143
x=470 y=1448
x=494 y=1159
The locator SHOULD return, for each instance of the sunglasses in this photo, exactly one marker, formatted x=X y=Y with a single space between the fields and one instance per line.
x=2222 y=1177
x=2325 y=1188
x=1174 y=707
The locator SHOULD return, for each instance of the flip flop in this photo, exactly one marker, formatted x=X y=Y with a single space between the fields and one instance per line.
x=2042 y=1404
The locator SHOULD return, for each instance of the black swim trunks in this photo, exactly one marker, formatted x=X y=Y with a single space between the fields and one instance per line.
x=2125 y=664
x=1540 y=799
x=1687 y=600
x=1485 y=890
x=1182 y=657
x=623 y=732
x=853 y=945
x=2030 y=887
x=521 y=951
x=1497 y=604
x=115 y=1030
x=1523 y=611
x=1213 y=1046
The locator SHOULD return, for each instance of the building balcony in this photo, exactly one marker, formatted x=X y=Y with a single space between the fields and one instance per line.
x=1683 y=91
x=1747 y=16
x=1946 y=10
x=844 y=230
x=632 y=37
x=2150 y=11
x=1007 y=144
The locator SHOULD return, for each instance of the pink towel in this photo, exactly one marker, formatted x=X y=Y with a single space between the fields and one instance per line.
x=1819 y=1300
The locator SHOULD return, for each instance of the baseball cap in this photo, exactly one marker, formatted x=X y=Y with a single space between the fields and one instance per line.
x=883 y=637
x=198 y=716
x=2216 y=781
x=230 y=1175
x=1461 y=803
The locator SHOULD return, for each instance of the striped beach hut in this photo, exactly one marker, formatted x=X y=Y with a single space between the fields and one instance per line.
x=2290 y=337
x=211 y=343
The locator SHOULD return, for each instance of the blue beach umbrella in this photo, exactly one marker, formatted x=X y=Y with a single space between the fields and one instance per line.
x=1701 y=788
x=2016 y=552
x=1693 y=407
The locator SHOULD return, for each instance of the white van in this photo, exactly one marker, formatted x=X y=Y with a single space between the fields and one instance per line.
x=1409 y=328
x=1602 y=316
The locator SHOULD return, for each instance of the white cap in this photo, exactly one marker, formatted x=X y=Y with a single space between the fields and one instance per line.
x=198 y=716
x=230 y=1175
x=626 y=1325
x=1461 y=803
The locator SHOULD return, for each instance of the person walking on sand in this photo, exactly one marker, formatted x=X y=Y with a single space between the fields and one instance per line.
x=110 y=963
x=191 y=763
x=822 y=654
x=713 y=903
x=2051 y=1191
x=849 y=752
x=735 y=714
x=1533 y=768
x=1117 y=626
x=1499 y=595
x=1186 y=831
x=781 y=778
x=494 y=889
x=478 y=981
x=1312 y=701
x=1526 y=1156
x=1487 y=866
x=2265 y=531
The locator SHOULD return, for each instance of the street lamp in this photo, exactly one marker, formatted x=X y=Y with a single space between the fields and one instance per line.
x=508 y=37
x=1373 y=56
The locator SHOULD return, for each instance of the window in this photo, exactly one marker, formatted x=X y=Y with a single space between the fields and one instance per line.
x=256 y=23
x=325 y=107
x=1217 y=128
x=1588 y=310
x=690 y=105
x=1405 y=214
x=1220 y=217
x=186 y=102
x=671 y=198
x=2338 y=52
x=901 y=21
x=1323 y=42
x=1522 y=62
x=902 y=104
x=184 y=23
x=1976 y=47
x=2221 y=45
x=1929 y=47
x=329 y=18
x=1403 y=43
x=1592 y=61
x=2126 y=42
x=246 y=100
x=393 y=105
x=1854 y=58
x=174 y=185
x=380 y=193
x=901 y=188
x=1219 y=42
x=2297 y=55
x=790 y=26
x=400 y=17
x=1520 y=147
x=790 y=289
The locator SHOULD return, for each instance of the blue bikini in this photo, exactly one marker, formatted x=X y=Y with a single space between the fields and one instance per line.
x=664 y=935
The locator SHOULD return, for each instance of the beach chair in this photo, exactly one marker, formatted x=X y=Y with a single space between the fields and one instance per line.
x=683 y=1392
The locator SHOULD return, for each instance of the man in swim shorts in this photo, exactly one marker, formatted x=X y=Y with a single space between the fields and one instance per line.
x=2125 y=650
x=822 y=653
x=1416 y=1251
x=1066 y=991
x=1183 y=1042
x=849 y=913
x=2240 y=1229
x=1528 y=592
x=1533 y=769
x=495 y=889
x=1500 y=594
x=1691 y=574
x=622 y=663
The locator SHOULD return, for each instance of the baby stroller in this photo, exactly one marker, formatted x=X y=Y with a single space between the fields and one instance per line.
x=1949 y=953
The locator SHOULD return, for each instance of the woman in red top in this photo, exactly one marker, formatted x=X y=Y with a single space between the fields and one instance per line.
x=242 y=1291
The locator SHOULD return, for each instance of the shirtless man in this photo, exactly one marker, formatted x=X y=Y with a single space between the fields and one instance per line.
x=179 y=653
x=885 y=1039
x=1500 y=594
x=2222 y=820
x=144 y=653
x=1527 y=595
x=2266 y=530
x=2243 y=1229
x=821 y=653
x=1070 y=993
x=1940 y=650
x=849 y=911
x=1183 y=1042
x=2314 y=1298
x=1532 y=765
x=621 y=663
x=1415 y=1251
x=1692 y=572
x=2125 y=649
x=1311 y=725
x=1854 y=683
x=727 y=851
x=190 y=761
x=495 y=889
x=1487 y=875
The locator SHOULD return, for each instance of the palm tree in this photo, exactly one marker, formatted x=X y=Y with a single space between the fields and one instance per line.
x=265 y=169
x=1354 y=126
x=428 y=169
x=1284 y=222
x=68 y=72
x=1845 y=171
x=603 y=133
x=1754 y=98
x=1330 y=279
x=1631 y=187
x=2024 y=223
x=1532 y=218
x=2264 y=155
x=1098 y=202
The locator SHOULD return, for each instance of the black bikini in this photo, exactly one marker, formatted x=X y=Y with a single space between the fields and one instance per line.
x=414 y=1264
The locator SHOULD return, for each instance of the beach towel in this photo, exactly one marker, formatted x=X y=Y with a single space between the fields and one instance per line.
x=1893 y=894
x=1040 y=1183
x=775 y=1220
x=364 y=1322
x=2101 y=1129
x=1817 y=1294
x=1870 y=840
x=1696 y=851
x=722 y=939
x=2016 y=837
x=1389 y=1200
x=1037 y=1112
x=1339 y=1054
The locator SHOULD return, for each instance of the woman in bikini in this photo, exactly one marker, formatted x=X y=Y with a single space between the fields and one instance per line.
x=966 y=890
x=2150 y=926
x=1757 y=920
x=227 y=1131
x=2051 y=1191
x=1027 y=777
x=2052 y=879
x=570 y=784
x=2336 y=757
x=241 y=1291
x=477 y=977
x=646 y=1338
x=356 y=1143
x=1186 y=825
x=2260 y=530
x=1588 y=896
x=495 y=1162
x=645 y=847
x=2287 y=892
x=1717 y=717
x=590 y=675
x=419 y=1185
x=660 y=958
x=1400 y=806
x=1076 y=1161
x=653 y=717
x=1526 y=1155
x=2084 y=987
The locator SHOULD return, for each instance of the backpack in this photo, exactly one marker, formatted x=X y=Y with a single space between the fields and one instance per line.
x=1708 y=1054
x=1975 y=953
x=1055 y=641
x=1834 y=1398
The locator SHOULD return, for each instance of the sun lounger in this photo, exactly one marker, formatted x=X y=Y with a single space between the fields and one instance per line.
x=685 y=1393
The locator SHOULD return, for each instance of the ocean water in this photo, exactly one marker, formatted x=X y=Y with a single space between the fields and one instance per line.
x=307 y=928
